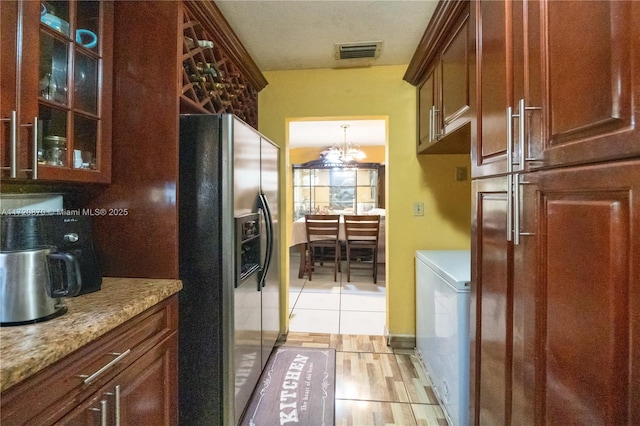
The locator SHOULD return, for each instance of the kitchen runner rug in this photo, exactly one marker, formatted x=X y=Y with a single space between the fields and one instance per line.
x=297 y=387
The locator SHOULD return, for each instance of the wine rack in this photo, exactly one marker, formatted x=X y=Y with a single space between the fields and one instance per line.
x=211 y=81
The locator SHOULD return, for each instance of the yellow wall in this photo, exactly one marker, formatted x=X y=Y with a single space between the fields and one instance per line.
x=379 y=92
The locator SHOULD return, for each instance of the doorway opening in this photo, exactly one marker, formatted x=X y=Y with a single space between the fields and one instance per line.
x=322 y=305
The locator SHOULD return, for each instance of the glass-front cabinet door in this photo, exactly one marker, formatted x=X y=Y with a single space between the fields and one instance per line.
x=334 y=190
x=62 y=129
x=366 y=190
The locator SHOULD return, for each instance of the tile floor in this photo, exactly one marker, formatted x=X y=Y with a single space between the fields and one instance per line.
x=339 y=307
x=375 y=385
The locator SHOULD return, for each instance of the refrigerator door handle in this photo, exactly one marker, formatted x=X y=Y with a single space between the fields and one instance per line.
x=264 y=205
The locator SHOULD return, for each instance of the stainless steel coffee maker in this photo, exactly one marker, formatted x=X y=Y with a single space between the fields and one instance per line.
x=30 y=290
x=45 y=257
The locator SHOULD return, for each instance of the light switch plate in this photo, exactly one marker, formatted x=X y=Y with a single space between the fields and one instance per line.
x=418 y=208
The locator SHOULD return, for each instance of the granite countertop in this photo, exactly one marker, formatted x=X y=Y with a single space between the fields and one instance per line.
x=27 y=349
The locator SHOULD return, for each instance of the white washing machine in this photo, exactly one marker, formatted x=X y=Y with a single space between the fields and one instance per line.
x=442 y=326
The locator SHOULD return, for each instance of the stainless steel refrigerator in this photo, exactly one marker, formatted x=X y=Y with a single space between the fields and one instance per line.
x=229 y=266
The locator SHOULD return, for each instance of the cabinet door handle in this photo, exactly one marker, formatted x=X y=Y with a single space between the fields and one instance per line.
x=13 y=141
x=431 y=124
x=118 y=357
x=516 y=209
x=116 y=403
x=34 y=143
x=436 y=134
x=513 y=213
x=522 y=131
x=103 y=412
x=509 y=174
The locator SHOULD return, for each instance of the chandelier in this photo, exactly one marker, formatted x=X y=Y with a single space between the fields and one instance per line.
x=346 y=151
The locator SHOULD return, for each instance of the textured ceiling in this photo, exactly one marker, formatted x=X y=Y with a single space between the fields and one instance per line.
x=301 y=34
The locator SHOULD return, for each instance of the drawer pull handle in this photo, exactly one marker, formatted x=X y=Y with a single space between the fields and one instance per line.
x=117 y=359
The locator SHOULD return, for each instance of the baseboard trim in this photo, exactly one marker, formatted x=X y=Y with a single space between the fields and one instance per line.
x=400 y=341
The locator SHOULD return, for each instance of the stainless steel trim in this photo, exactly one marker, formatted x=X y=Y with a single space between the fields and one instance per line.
x=431 y=123
x=521 y=208
x=509 y=140
x=516 y=209
x=228 y=273
x=34 y=141
x=522 y=133
x=268 y=222
x=509 y=207
x=509 y=175
x=118 y=357
x=14 y=144
x=117 y=404
x=13 y=120
x=436 y=135
x=71 y=237
x=523 y=108
x=103 y=412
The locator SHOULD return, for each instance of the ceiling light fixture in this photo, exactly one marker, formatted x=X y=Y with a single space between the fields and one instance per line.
x=346 y=151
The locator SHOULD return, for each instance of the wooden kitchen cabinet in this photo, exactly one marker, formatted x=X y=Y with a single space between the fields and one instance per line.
x=588 y=82
x=587 y=293
x=133 y=367
x=455 y=66
x=502 y=305
x=56 y=90
x=426 y=106
x=443 y=77
x=211 y=81
x=554 y=223
x=560 y=76
x=495 y=80
x=552 y=317
x=136 y=396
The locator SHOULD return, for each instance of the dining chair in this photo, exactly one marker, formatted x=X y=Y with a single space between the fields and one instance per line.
x=323 y=232
x=361 y=233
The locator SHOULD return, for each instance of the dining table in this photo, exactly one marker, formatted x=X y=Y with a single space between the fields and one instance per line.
x=299 y=240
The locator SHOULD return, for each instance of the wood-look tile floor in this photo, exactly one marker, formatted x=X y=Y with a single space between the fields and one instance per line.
x=376 y=385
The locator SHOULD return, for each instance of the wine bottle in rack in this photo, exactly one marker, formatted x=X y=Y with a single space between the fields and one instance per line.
x=197 y=78
x=206 y=68
x=214 y=86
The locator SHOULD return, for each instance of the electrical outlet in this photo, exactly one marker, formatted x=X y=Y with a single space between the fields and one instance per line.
x=461 y=174
x=418 y=208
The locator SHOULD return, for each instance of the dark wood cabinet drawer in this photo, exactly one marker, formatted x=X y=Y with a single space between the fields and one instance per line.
x=144 y=393
x=50 y=394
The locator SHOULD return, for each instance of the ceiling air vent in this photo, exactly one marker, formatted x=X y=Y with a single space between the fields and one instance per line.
x=370 y=49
